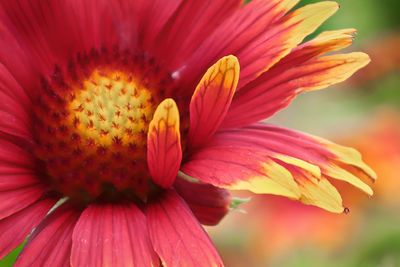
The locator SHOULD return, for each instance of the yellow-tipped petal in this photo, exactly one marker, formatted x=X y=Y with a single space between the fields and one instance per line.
x=212 y=98
x=276 y=180
x=338 y=68
x=164 y=153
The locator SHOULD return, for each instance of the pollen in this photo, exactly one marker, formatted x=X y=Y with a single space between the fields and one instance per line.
x=92 y=124
x=112 y=109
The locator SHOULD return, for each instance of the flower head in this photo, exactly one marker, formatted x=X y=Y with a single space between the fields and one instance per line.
x=137 y=115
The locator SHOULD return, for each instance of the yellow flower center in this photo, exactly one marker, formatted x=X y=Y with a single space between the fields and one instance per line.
x=112 y=109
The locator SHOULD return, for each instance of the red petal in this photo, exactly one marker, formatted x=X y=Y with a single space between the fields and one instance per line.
x=164 y=153
x=112 y=235
x=50 y=243
x=14 y=200
x=235 y=34
x=241 y=168
x=279 y=39
x=276 y=88
x=15 y=156
x=309 y=159
x=176 y=235
x=211 y=100
x=189 y=26
x=14 y=116
x=12 y=88
x=208 y=203
x=11 y=181
x=144 y=18
x=15 y=228
x=38 y=34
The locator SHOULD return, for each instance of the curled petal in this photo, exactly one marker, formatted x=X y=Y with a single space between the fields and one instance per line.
x=212 y=98
x=164 y=152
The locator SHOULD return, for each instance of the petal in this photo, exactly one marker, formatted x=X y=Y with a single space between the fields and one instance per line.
x=50 y=244
x=305 y=156
x=15 y=119
x=164 y=152
x=18 y=178
x=325 y=42
x=52 y=30
x=15 y=228
x=15 y=155
x=208 y=203
x=139 y=22
x=276 y=88
x=36 y=35
x=281 y=38
x=315 y=188
x=212 y=98
x=112 y=235
x=235 y=34
x=241 y=168
x=14 y=200
x=188 y=27
x=176 y=235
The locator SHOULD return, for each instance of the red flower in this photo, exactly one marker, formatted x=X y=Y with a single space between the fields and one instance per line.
x=99 y=108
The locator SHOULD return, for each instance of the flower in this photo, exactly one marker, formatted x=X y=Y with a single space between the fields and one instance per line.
x=106 y=107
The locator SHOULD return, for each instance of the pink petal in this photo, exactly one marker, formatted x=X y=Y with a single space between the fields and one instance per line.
x=208 y=203
x=112 y=235
x=164 y=152
x=15 y=228
x=50 y=243
x=176 y=235
x=211 y=99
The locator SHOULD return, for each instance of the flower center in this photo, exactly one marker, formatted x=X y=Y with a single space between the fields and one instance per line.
x=92 y=128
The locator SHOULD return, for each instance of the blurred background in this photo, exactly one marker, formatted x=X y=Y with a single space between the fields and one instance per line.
x=363 y=113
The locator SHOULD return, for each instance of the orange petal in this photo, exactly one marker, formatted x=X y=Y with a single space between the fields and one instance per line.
x=164 y=153
x=212 y=98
